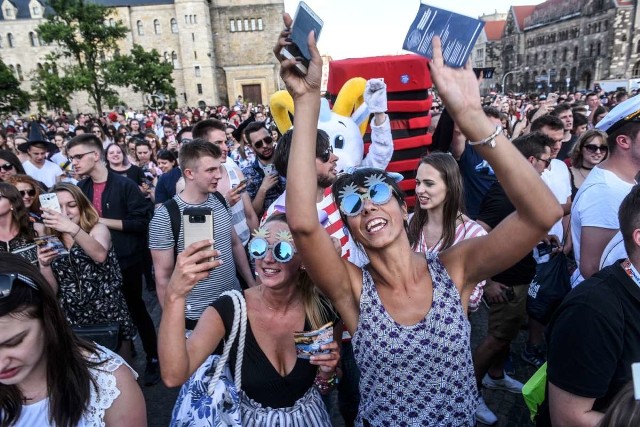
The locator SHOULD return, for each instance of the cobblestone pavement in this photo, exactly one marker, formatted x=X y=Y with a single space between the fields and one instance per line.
x=510 y=408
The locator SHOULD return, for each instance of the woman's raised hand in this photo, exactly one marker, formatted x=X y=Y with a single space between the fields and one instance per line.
x=192 y=265
x=297 y=83
x=58 y=221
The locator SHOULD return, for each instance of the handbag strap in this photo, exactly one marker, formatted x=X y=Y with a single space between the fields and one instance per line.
x=239 y=324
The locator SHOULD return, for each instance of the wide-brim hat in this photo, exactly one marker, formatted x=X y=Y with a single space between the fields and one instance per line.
x=623 y=113
x=36 y=136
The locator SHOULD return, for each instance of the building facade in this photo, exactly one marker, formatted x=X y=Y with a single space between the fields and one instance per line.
x=219 y=49
x=568 y=45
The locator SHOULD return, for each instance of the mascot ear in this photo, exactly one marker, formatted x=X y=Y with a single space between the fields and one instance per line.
x=281 y=105
x=350 y=98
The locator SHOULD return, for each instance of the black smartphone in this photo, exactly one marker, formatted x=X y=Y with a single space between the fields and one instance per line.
x=304 y=22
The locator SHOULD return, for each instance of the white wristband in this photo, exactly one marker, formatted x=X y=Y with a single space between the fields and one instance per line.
x=490 y=140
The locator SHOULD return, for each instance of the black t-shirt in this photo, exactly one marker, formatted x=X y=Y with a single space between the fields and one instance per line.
x=134 y=173
x=594 y=338
x=566 y=148
x=495 y=207
x=260 y=380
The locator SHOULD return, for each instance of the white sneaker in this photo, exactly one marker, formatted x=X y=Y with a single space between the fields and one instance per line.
x=484 y=414
x=507 y=383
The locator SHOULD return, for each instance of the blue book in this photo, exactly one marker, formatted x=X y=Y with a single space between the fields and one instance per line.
x=458 y=34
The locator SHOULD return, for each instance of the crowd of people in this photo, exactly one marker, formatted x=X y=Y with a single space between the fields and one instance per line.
x=509 y=182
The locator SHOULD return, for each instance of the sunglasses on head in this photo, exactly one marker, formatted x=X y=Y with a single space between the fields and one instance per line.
x=30 y=193
x=282 y=250
x=326 y=155
x=6 y=167
x=593 y=148
x=352 y=202
x=266 y=140
x=6 y=283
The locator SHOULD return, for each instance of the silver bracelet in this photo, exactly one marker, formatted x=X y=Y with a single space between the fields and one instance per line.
x=490 y=140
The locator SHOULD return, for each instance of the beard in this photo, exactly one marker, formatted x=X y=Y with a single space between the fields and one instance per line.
x=326 y=181
x=262 y=156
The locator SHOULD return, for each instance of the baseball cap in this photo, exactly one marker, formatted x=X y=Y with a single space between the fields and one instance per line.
x=623 y=113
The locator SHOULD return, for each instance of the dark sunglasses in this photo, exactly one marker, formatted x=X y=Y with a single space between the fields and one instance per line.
x=435 y=108
x=266 y=140
x=31 y=193
x=6 y=167
x=6 y=283
x=353 y=203
x=326 y=155
x=185 y=140
x=547 y=162
x=593 y=148
x=282 y=250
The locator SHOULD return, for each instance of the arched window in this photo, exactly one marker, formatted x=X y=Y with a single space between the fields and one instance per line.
x=10 y=40
x=33 y=39
x=174 y=25
x=598 y=49
x=638 y=47
x=39 y=66
x=166 y=57
x=13 y=69
x=575 y=53
x=140 y=28
x=156 y=26
x=19 y=68
x=636 y=69
x=174 y=59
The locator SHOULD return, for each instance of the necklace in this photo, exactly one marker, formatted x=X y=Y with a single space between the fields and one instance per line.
x=580 y=171
x=287 y=307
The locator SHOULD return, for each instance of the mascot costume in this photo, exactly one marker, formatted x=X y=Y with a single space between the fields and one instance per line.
x=345 y=125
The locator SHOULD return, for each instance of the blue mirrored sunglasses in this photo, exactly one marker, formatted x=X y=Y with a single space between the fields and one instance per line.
x=282 y=251
x=353 y=203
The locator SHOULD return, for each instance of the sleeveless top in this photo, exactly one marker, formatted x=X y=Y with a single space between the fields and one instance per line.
x=90 y=292
x=101 y=398
x=419 y=375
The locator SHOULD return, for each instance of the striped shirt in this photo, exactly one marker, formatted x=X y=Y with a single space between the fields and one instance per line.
x=222 y=278
x=467 y=229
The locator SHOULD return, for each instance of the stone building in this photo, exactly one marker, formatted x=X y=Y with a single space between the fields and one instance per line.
x=487 y=52
x=219 y=48
x=513 y=47
x=569 y=44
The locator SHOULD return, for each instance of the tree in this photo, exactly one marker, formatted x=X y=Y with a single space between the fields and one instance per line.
x=12 y=98
x=143 y=71
x=50 y=90
x=89 y=58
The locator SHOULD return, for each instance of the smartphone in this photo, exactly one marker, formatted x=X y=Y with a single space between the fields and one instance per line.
x=198 y=225
x=242 y=183
x=50 y=201
x=304 y=22
x=269 y=170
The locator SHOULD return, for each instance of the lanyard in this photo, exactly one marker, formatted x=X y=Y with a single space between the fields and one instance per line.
x=631 y=271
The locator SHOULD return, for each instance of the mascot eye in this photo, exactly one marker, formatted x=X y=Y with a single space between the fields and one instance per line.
x=338 y=142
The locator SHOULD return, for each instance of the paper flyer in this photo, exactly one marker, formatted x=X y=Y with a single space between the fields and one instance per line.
x=308 y=343
x=458 y=34
x=51 y=242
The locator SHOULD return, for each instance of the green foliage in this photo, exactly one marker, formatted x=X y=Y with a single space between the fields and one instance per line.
x=90 y=46
x=12 y=98
x=50 y=90
x=143 y=71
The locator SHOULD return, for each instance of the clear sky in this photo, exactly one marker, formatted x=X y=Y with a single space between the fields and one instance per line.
x=361 y=28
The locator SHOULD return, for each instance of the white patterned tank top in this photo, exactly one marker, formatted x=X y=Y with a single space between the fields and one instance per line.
x=419 y=375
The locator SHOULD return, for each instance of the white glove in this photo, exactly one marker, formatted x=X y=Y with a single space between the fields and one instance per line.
x=375 y=95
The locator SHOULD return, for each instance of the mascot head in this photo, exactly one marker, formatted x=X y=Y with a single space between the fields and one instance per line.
x=345 y=124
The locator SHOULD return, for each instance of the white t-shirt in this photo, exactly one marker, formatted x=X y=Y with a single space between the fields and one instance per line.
x=596 y=205
x=558 y=180
x=47 y=174
x=613 y=251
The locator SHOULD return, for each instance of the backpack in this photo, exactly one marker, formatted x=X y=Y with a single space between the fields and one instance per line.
x=174 y=218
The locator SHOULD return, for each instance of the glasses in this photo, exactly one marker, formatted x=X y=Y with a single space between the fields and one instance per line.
x=326 y=155
x=593 y=148
x=266 y=140
x=30 y=193
x=547 y=162
x=6 y=283
x=6 y=167
x=79 y=157
x=282 y=250
x=185 y=140
x=353 y=203
x=435 y=108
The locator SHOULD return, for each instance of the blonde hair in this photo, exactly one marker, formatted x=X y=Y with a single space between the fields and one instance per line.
x=317 y=309
x=88 y=214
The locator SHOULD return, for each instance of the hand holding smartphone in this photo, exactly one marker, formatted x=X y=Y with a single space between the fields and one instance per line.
x=50 y=201
x=198 y=225
x=304 y=22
